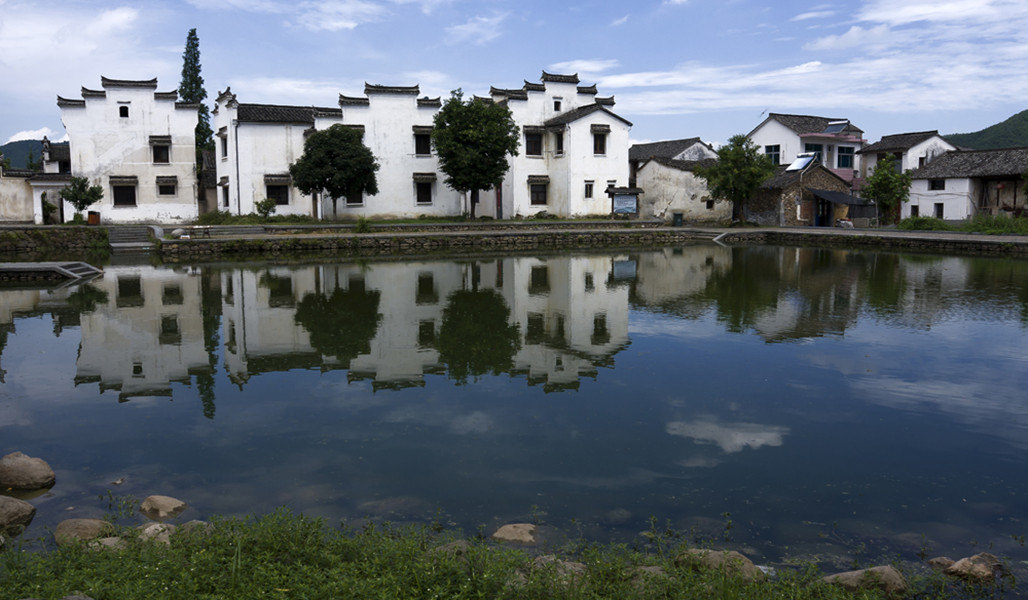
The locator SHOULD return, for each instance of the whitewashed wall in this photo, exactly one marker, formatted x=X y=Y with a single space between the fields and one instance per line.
x=670 y=190
x=15 y=200
x=958 y=199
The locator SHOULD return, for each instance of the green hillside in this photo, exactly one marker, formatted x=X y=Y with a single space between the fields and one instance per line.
x=18 y=152
x=1009 y=134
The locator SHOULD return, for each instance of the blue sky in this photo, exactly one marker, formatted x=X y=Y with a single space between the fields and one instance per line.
x=678 y=68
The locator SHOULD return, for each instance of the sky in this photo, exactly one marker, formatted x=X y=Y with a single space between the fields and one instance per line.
x=677 y=68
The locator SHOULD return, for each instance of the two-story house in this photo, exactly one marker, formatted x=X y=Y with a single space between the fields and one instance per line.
x=910 y=150
x=837 y=142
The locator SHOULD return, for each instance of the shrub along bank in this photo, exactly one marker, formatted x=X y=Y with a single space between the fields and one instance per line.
x=282 y=555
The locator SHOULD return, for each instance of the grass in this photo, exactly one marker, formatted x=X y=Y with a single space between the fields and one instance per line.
x=985 y=224
x=282 y=555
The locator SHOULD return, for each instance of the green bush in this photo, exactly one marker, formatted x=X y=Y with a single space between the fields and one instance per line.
x=997 y=224
x=265 y=207
x=923 y=224
x=363 y=225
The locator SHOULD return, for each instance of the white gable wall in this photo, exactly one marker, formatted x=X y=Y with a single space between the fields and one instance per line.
x=774 y=133
x=958 y=199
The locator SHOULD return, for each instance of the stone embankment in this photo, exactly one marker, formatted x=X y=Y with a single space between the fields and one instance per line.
x=881 y=239
x=37 y=239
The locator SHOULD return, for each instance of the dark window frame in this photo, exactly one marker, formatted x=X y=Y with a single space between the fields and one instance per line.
x=538 y=194
x=847 y=152
x=589 y=185
x=423 y=192
x=422 y=144
x=161 y=154
x=119 y=198
x=533 y=144
x=279 y=192
x=167 y=189
x=558 y=142
x=774 y=153
x=600 y=144
x=123 y=111
x=936 y=185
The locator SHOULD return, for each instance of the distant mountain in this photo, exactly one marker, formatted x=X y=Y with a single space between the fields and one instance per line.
x=1011 y=133
x=18 y=152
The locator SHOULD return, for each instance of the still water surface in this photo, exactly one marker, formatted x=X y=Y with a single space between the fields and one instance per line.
x=802 y=403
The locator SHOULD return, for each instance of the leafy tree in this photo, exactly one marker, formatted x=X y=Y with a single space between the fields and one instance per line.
x=341 y=324
x=475 y=337
x=5 y=163
x=191 y=90
x=888 y=188
x=265 y=207
x=336 y=161
x=81 y=194
x=738 y=173
x=32 y=164
x=473 y=139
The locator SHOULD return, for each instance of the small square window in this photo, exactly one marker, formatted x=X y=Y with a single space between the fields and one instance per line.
x=137 y=370
x=538 y=193
x=426 y=293
x=556 y=105
x=123 y=111
x=534 y=144
x=599 y=143
x=710 y=205
x=279 y=193
x=355 y=199
x=161 y=154
x=422 y=144
x=124 y=195
x=936 y=184
x=166 y=189
x=172 y=295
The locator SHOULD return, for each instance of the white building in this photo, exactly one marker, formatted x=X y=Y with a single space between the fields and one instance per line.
x=687 y=149
x=910 y=150
x=672 y=187
x=837 y=141
x=573 y=148
x=139 y=145
x=22 y=191
x=961 y=184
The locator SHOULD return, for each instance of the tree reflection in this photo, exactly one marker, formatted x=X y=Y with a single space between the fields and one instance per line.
x=210 y=305
x=475 y=337
x=342 y=324
x=746 y=288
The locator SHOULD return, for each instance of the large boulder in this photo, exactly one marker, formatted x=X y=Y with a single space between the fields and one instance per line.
x=731 y=561
x=162 y=508
x=983 y=568
x=158 y=532
x=521 y=533
x=885 y=578
x=21 y=472
x=15 y=514
x=74 y=530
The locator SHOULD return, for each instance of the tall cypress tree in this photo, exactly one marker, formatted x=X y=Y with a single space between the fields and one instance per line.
x=191 y=90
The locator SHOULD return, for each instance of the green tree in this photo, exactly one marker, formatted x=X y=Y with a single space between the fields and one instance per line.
x=191 y=90
x=341 y=324
x=888 y=188
x=336 y=161
x=32 y=164
x=473 y=139
x=5 y=163
x=81 y=194
x=738 y=173
x=475 y=337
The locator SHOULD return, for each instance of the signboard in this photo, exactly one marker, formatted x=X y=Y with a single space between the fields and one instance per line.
x=625 y=204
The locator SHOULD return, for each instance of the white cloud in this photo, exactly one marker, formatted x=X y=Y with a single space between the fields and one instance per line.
x=619 y=22
x=587 y=66
x=730 y=437
x=336 y=15
x=854 y=37
x=36 y=134
x=477 y=30
x=893 y=13
x=814 y=14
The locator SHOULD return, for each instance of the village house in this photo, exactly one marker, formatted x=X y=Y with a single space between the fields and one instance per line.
x=837 y=142
x=675 y=193
x=909 y=150
x=805 y=193
x=24 y=192
x=139 y=145
x=15 y=196
x=963 y=183
x=688 y=149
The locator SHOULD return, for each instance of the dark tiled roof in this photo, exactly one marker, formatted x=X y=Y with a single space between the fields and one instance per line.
x=508 y=93
x=430 y=102
x=606 y=101
x=274 y=113
x=20 y=173
x=581 y=111
x=60 y=151
x=665 y=149
x=325 y=112
x=172 y=95
x=587 y=89
x=63 y=102
x=51 y=177
x=391 y=89
x=807 y=124
x=1007 y=162
x=88 y=93
x=685 y=165
x=128 y=83
x=554 y=78
x=533 y=87
x=899 y=141
x=187 y=105
x=353 y=101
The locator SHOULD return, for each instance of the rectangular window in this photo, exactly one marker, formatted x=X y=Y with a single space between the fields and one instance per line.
x=588 y=189
x=845 y=157
x=936 y=184
x=355 y=199
x=534 y=144
x=921 y=161
x=539 y=281
x=224 y=196
x=535 y=329
x=422 y=144
x=558 y=142
x=424 y=192
x=590 y=285
x=123 y=111
x=278 y=193
x=172 y=295
x=170 y=333
x=426 y=334
x=599 y=143
x=939 y=211
x=166 y=189
x=600 y=334
x=915 y=210
x=224 y=147
x=426 y=293
x=124 y=195
x=161 y=154
x=818 y=148
x=710 y=205
x=774 y=153
x=612 y=183
x=538 y=193
x=556 y=105
x=130 y=292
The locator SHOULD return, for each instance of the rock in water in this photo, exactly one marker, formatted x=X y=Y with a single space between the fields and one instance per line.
x=73 y=530
x=884 y=578
x=162 y=508
x=21 y=472
x=982 y=567
x=15 y=514
x=729 y=560
x=158 y=532
x=522 y=533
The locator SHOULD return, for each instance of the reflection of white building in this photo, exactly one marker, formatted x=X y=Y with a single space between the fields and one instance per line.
x=147 y=334
x=572 y=315
x=669 y=277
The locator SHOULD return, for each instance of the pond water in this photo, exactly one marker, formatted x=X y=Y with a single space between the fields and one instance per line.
x=794 y=403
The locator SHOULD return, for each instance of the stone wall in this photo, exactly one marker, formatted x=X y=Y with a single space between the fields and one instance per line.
x=934 y=244
x=37 y=239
